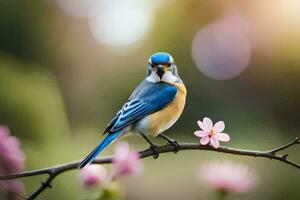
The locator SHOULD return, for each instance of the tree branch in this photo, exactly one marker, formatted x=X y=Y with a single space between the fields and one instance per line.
x=59 y=169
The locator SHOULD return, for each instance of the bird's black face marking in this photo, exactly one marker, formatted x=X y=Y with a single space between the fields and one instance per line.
x=160 y=71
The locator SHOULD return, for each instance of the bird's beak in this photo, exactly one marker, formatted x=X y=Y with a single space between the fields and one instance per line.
x=160 y=71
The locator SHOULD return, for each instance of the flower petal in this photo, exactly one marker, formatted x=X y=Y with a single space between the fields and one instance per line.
x=219 y=126
x=214 y=141
x=203 y=126
x=126 y=162
x=208 y=123
x=93 y=175
x=201 y=133
x=224 y=137
x=121 y=151
x=204 y=140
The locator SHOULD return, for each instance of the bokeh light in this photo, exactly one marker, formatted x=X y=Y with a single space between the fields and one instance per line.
x=60 y=86
x=120 y=23
x=221 y=49
x=76 y=8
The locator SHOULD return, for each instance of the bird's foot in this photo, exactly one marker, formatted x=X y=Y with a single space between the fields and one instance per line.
x=176 y=145
x=155 y=150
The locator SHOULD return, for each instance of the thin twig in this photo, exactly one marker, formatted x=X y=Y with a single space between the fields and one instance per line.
x=296 y=141
x=43 y=186
x=59 y=169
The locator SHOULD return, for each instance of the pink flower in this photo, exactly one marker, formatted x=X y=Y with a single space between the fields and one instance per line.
x=11 y=156
x=93 y=176
x=227 y=176
x=211 y=133
x=126 y=162
x=11 y=161
x=12 y=189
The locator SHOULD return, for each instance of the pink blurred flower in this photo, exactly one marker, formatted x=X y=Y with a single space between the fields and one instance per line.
x=93 y=176
x=211 y=133
x=13 y=189
x=11 y=160
x=126 y=162
x=227 y=177
x=11 y=156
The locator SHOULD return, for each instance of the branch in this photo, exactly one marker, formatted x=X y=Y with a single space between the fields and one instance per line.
x=59 y=169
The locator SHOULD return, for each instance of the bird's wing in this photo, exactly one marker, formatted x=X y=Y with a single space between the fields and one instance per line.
x=146 y=99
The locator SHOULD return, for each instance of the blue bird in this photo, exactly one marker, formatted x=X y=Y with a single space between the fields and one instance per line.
x=153 y=107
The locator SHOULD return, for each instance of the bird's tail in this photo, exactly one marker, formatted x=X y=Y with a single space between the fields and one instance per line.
x=105 y=142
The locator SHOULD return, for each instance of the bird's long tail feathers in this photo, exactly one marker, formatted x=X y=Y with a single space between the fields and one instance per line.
x=105 y=142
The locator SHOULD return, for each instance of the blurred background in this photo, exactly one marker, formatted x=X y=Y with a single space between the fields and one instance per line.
x=66 y=67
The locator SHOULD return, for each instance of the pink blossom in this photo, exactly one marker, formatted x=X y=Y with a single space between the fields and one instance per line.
x=227 y=176
x=12 y=189
x=11 y=161
x=126 y=162
x=11 y=156
x=211 y=133
x=93 y=176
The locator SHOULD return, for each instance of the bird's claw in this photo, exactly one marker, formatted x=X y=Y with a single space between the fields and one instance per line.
x=155 y=151
x=176 y=145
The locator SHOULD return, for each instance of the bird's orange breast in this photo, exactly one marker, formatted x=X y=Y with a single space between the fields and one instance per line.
x=165 y=118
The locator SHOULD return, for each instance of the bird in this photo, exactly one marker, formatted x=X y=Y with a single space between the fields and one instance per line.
x=152 y=108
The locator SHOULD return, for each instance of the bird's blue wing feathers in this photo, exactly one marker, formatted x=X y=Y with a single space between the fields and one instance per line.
x=146 y=99
x=99 y=148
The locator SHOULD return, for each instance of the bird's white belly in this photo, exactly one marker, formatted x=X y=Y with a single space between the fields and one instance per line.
x=143 y=126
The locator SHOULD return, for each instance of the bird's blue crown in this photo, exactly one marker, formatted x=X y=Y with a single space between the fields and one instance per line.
x=160 y=58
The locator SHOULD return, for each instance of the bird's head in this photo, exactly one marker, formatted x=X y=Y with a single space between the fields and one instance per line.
x=162 y=68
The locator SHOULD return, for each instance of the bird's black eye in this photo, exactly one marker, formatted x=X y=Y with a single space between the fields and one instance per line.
x=169 y=65
x=153 y=65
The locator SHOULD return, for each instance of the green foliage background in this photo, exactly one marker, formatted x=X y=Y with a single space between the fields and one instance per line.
x=59 y=87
